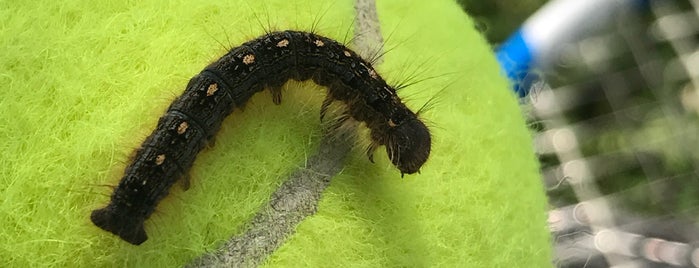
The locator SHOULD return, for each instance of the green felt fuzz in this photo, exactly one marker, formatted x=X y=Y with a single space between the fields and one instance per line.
x=84 y=83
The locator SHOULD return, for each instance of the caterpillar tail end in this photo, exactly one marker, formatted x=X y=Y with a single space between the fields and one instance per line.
x=129 y=229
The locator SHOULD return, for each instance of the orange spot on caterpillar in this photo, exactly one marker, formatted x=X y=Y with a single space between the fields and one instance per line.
x=211 y=89
x=283 y=43
x=182 y=128
x=249 y=59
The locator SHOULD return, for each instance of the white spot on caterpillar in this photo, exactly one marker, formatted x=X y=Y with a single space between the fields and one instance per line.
x=283 y=43
x=348 y=54
x=318 y=43
x=182 y=127
x=249 y=59
x=212 y=89
x=159 y=159
x=388 y=90
x=144 y=182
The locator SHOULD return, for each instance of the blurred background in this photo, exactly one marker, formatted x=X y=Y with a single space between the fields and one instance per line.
x=612 y=105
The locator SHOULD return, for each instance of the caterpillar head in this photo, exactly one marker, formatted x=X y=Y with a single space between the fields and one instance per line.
x=408 y=143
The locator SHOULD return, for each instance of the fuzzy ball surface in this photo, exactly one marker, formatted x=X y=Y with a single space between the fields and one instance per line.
x=84 y=83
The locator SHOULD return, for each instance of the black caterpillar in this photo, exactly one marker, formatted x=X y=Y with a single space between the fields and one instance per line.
x=266 y=62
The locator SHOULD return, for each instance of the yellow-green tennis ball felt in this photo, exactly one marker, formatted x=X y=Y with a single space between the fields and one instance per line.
x=84 y=84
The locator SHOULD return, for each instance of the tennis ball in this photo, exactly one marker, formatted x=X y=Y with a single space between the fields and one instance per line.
x=85 y=83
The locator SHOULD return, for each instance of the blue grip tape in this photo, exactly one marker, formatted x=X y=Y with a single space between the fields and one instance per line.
x=515 y=58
